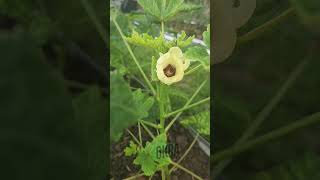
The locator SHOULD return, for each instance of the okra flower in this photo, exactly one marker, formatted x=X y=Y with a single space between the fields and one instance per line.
x=171 y=66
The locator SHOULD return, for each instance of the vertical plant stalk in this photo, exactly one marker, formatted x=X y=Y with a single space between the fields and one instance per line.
x=139 y=129
x=162 y=93
x=266 y=111
x=162 y=28
x=162 y=98
x=134 y=57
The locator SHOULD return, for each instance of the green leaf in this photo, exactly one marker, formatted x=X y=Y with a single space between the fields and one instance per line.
x=126 y=107
x=123 y=110
x=143 y=103
x=150 y=158
x=131 y=150
x=200 y=122
x=186 y=7
x=117 y=61
x=182 y=42
x=148 y=165
x=200 y=54
x=164 y=10
x=145 y=40
x=91 y=110
x=206 y=36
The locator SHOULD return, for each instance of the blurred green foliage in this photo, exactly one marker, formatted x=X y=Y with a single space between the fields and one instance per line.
x=247 y=80
x=49 y=132
x=38 y=129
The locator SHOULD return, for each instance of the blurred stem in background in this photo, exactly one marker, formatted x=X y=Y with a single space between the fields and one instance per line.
x=257 y=32
x=233 y=151
x=266 y=111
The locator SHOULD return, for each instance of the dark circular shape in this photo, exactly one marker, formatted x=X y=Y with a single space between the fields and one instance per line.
x=169 y=71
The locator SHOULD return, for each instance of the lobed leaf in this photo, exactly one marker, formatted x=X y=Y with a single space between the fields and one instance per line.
x=182 y=41
x=131 y=150
x=149 y=158
x=164 y=10
x=126 y=107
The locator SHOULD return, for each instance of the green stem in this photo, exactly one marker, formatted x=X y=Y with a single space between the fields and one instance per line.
x=163 y=175
x=148 y=130
x=265 y=27
x=266 y=111
x=139 y=130
x=134 y=57
x=96 y=22
x=186 y=170
x=150 y=124
x=162 y=93
x=162 y=28
x=134 y=137
x=307 y=121
x=193 y=70
x=134 y=177
x=187 y=107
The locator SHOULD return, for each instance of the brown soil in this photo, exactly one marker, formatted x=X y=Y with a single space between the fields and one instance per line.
x=197 y=161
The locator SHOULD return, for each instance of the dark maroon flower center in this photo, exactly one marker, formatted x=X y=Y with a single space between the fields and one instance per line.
x=169 y=71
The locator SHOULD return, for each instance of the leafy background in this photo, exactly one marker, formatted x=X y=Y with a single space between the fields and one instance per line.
x=246 y=81
x=53 y=106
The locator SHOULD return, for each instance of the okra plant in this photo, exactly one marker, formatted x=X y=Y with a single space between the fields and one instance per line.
x=151 y=107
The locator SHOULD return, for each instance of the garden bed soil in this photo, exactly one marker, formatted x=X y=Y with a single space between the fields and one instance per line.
x=197 y=161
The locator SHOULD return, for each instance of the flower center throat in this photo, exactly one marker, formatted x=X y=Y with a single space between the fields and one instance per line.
x=169 y=71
